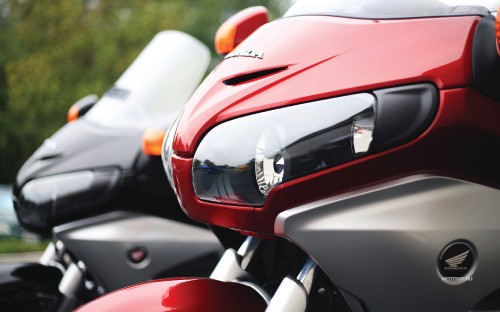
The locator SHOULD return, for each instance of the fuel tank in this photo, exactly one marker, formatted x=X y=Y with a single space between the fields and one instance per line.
x=180 y=294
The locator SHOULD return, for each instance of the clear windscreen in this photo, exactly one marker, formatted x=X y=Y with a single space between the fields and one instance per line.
x=382 y=9
x=157 y=84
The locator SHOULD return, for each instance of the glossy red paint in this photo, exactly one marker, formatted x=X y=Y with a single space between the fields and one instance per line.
x=349 y=56
x=179 y=295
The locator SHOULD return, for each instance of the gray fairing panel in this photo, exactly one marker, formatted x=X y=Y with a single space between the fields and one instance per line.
x=382 y=245
x=102 y=243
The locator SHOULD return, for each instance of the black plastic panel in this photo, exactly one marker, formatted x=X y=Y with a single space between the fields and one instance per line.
x=29 y=287
x=485 y=59
x=403 y=113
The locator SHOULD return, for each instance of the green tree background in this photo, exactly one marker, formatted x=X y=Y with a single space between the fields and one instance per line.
x=53 y=52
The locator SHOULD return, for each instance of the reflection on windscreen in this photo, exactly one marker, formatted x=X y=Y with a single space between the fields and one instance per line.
x=157 y=84
x=380 y=9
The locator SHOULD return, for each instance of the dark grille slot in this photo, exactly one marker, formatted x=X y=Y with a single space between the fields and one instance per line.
x=258 y=74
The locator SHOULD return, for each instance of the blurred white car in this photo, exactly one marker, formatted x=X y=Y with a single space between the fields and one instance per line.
x=8 y=221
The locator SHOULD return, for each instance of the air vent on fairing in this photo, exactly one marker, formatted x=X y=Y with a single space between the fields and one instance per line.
x=254 y=75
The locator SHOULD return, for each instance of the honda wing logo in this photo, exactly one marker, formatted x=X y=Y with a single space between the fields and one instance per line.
x=457 y=260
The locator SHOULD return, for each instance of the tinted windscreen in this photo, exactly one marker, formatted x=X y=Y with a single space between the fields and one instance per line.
x=154 y=88
x=380 y=9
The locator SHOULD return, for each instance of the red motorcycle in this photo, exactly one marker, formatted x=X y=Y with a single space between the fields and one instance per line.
x=356 y=145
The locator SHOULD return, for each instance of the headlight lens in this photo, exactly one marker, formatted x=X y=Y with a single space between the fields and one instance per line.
x=242 y=160
x=43 y=200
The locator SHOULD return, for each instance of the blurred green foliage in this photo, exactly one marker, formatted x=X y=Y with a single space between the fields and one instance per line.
x=15 y=245
x=53 y=52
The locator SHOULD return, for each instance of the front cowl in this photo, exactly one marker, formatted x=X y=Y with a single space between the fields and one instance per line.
x=324 y=57
x=310 y=58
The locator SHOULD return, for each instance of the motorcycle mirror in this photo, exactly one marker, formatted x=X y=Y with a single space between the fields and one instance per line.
x=81 y=107
x=152 y=141
x=238 y=27
x=497 y=26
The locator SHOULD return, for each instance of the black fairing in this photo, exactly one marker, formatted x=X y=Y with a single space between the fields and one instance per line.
x=485 y=59
x=79 y=146
x=99 y=162
x=29 y=287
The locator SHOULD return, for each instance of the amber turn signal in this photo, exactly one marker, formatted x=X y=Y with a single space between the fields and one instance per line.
x=238 y=27
x=81 y=107
x=224 y=38
x=73 y=113
x=152 y=140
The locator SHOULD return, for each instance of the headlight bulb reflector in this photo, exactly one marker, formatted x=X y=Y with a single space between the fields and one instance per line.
x=269 y=163
x=362 y=132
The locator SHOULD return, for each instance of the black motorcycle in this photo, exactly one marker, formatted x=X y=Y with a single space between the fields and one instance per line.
x=97 y=185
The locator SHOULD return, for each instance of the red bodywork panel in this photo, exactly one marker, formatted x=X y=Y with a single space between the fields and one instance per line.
x=180 y=295
x=329 y=56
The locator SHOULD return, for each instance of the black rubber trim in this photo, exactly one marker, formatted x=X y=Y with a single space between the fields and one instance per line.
x=403 y=113
x=485 y=59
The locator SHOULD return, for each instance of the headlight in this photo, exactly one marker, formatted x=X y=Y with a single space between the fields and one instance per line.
x=240 y=161
x=43 y=200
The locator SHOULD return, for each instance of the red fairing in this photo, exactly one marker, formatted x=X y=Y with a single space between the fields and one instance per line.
x=329 y=56
x=459 y=144
x=180 y=295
